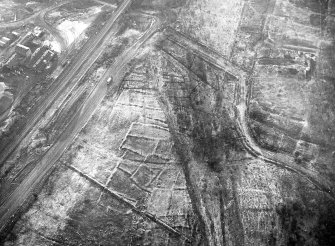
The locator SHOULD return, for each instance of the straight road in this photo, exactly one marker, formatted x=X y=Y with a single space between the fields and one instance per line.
x=66 y=82
x=39 y=173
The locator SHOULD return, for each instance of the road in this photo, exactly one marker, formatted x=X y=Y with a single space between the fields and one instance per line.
x=20 y=22
x=269 y=157
x=197 y=172
x=67 y=80
x=113 y=5
x=40 y=20
x=31 y=18
x=18 y=197
x=36 y=18
x=208 y=54
x=241 y=106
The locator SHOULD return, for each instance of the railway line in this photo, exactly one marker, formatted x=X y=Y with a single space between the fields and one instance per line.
x=75 y=123
x=66 y=82
x=14 y=199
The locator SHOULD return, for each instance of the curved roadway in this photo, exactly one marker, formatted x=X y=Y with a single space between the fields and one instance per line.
x=30 y=18
x=241 y=106
x=269 y=157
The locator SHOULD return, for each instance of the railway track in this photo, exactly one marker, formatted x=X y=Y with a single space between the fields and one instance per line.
x=65 y=83
x=76 y=122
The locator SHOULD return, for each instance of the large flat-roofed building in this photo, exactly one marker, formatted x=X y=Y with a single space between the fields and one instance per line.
x=38 y=53
x=27 y=38
x=15 y=35
x=5 y=39
x=42 y=62
x=12 y=61
x=38 y=32
x=22 y=50
x=48 y=55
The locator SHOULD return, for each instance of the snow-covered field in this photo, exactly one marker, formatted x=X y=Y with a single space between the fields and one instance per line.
x=6 y=100
x=72 y=28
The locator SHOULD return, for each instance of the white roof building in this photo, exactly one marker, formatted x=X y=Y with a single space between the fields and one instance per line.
x=2 y=44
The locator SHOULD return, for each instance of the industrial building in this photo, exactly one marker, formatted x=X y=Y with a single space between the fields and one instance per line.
x=35 y=57
x=44 y=60
x=38 y=31
x=16 y=34
x=28 y=51
x=23 y=50
x=27 y=38
x=12 y=61
x=4 y=42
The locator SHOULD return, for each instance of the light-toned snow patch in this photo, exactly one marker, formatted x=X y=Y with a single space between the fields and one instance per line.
x=130 y=33
x=7 y=4
x=31 y=4
x=55 y=14
x=3 y=87
x=95 y=10
x=3 y=92
x=54 y=45
x=72 y=29
x=6 y=100
x=67 y=192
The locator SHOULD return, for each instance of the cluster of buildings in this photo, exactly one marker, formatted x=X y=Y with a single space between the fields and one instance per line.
x=30 y=52
x=6 y=41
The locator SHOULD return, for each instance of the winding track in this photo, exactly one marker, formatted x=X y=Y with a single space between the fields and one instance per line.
x=40 y=20
x=31 y=18
x=20 y=22
x=252 y=148
x=241 y=107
